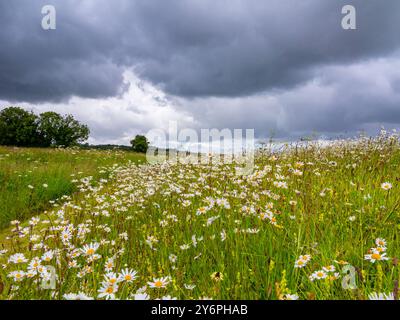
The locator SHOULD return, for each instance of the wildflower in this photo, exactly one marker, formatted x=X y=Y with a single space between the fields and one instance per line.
x=334 y=276
x=109 y=266
x=381 y=296
x=111 y=278
x=329 y=268
x=34 y=265
x=386 y=186
x=17 y=275
x=159 y=282
x=201 y=211
x=194 y=241
x=290 y=297
x=211 y=220
x=151 y=240
x=376 y=256
x=34 y=221
x=318 y=275
x=280 y=184
x=167 y=298
x=78 y=296
x=380 y=242
x=47 y=256
x=127 y=275
x=66 y=236
x=306 y=257
x=141 y=296
x=108 y=291
x=302 y=261
x=90 y=249
x=297 y=172
x=17 y=258
x=172 y=258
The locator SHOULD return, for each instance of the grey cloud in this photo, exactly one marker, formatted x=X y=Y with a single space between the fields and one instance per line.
x=340 y=100
x=189 y=48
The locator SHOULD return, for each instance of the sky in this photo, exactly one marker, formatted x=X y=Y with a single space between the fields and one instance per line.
x=285 y=68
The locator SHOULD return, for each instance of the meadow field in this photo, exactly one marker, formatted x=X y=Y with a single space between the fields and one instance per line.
x=309 y=223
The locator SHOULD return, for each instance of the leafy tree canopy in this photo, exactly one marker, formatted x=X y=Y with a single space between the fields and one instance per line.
x=140 y=144
x=23 y=128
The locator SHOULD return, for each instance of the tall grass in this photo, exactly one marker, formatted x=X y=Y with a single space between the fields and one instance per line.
x=201 y=231
x=30 y=178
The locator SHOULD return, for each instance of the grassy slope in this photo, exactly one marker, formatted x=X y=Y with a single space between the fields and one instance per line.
x=56 y=168
x=337 y=183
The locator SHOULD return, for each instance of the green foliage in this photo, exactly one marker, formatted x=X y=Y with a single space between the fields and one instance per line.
x=18 y=127
x=61 y=131
x=140 y=144
x=22 y=128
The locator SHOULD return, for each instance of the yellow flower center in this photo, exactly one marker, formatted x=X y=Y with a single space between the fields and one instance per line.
x=109 y=290
x=376 y=256
x=90 y=252
x=158 y=284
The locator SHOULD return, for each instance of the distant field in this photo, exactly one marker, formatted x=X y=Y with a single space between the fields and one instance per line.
x=30 y=178
x=308 y=223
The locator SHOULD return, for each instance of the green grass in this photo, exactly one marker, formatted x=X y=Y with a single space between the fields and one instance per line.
x=334 y=211
x=30 y=178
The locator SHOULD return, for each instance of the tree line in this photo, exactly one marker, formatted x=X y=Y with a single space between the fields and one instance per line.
x=22 y=128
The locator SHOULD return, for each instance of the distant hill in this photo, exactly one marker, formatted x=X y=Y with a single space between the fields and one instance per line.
x=105 y=147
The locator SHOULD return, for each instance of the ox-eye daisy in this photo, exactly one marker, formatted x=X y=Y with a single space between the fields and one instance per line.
x=90 y=249
x=17 y=258
x=386 y=186
x=127 y=275
x=78 y=296
x=380 y=242
x=318 y=275
x=381 y=296
x=302 y=261
x=17 y=275
x=141 y=296
x=108 y=291
x=329 y=268
x=376 y=256
x=159 y=282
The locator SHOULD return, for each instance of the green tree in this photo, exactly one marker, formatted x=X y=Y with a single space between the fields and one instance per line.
x=18 y=127
x=57 y=130
x=140 y=144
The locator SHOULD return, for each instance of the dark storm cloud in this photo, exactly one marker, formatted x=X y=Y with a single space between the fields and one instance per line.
x=189 y=48
x=38 y=65
x=340 y=100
